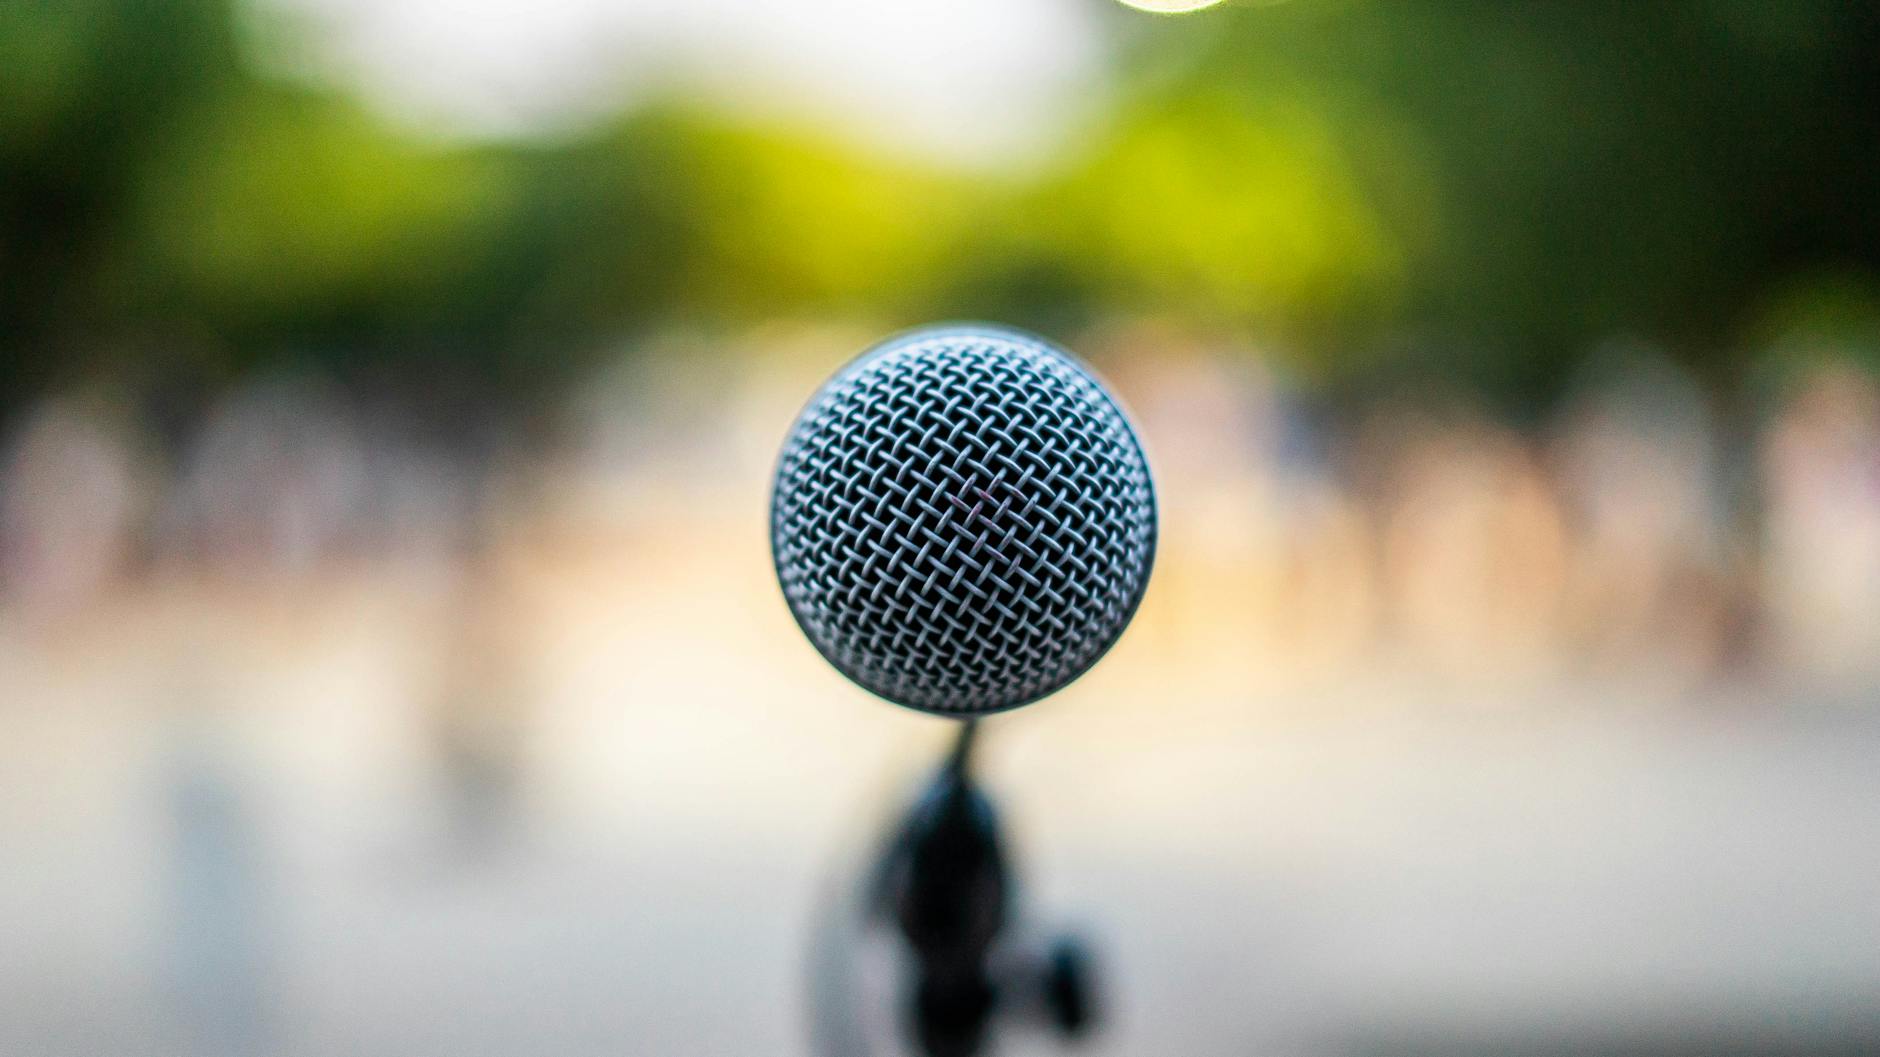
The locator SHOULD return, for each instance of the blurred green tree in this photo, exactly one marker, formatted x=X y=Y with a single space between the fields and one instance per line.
x=1566 y=171
x=1466 y=190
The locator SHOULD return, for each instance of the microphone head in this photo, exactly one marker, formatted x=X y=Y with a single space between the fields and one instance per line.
x=963 y=520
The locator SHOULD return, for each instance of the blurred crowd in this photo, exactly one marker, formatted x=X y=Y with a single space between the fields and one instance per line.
x=1640 y=532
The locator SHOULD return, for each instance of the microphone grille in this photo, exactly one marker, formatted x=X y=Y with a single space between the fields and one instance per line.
x=963 y=520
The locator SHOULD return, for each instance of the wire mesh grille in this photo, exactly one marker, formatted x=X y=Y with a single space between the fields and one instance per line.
x=963 y=520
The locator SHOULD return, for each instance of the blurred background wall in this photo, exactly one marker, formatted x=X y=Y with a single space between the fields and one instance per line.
x=389 y=657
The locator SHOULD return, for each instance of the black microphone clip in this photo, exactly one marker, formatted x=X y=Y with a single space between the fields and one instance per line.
x=945 y=885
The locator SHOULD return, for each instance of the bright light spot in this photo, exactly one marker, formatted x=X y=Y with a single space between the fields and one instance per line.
x=1169 y=7
x=975 y=81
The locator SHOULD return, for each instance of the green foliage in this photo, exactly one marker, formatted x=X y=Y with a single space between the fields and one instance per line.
x=1227 y=210
x=289 y=209
x=1474 y=190
x=1597 y=168
x=89 y=91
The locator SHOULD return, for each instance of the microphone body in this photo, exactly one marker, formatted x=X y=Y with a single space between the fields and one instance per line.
x=963 y=522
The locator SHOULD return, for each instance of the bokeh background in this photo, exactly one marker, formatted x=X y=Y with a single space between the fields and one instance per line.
x=389 y=657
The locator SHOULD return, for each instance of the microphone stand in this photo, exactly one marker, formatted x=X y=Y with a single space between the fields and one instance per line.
x=943 y=885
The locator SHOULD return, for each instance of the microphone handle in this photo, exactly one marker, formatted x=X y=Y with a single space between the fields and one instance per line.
x=950 y=902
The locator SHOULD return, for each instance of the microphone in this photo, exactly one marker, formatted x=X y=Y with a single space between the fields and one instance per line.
x=962 y=520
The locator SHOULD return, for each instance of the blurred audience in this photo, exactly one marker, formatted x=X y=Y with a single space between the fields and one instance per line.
x=1405 y=540
x=1820 y=513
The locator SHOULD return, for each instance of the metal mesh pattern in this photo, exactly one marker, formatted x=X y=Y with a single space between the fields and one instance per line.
x=963 y=520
